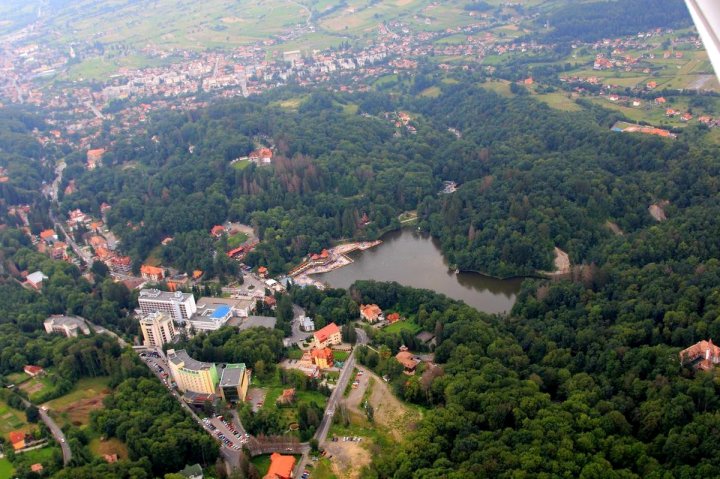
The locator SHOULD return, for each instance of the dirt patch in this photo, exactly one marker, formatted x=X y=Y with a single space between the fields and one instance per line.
x=78 y=413
x=657 y=210
x=348 y=458
x=614 y=228
x=32 y=387
x=256 y=398
x=390 y=412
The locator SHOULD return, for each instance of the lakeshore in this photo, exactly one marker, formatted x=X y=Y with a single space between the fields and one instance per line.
x=327 y=261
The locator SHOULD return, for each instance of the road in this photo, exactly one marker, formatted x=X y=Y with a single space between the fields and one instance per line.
x=55 y=431
x=298 y=335
x=101 y=330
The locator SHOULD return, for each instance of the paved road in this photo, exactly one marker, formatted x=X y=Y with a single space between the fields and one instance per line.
x=55 y=431
x=101 y=330
x=298 y=335
x=345 y=374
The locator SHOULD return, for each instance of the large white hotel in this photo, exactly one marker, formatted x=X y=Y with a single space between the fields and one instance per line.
x=179 y=306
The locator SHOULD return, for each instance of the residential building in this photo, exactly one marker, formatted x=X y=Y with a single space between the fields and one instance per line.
x=702 y=355
x=180 y=306
x=36 y=279
x=393 y=318
x=371 y=313
x=69 y=326
x=281 y=467
x=192 y=375
x=49 y=236
x=327 y=336
x=33 y=371
x=234 y=382
x=407 y=359
x=152 y=273
x=17 y=439
x=158 y=329
x=323 y=358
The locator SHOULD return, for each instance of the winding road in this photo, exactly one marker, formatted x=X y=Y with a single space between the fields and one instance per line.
x=54 y=430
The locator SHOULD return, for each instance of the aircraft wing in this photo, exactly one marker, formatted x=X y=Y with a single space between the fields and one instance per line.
x=706 y=15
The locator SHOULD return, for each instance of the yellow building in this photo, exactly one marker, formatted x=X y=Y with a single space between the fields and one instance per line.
x=158 y=329
x=234 y=382
x=192 y=375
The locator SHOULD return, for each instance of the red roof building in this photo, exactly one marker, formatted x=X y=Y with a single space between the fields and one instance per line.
x=33 y=371
x=281 y=467
x=323 y=358
x=217 y=231
x=152 y=273
x=327 y=336
x=703 y=355
x=393 y=318
x=371 y=313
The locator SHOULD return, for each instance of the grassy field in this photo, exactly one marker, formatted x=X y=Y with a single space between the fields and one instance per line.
x=75 y=406
x=399 y=326
x=559 y=101
x=323 y=470
x=17 y=378
x=36 y=386
x=6 y=469
x=43 y=456
x=237 y=239
x=340 y=355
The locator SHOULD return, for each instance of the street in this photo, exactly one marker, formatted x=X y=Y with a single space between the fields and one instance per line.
x=55 y=431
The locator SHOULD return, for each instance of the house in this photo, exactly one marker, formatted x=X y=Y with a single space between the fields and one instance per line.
x=327 y=336
x=37 y=467
x=152 y=273
x=17 y=439
x=110 y=458
x=660 y=100
x=49 y=236
x=94 y=157
x=35 y=279
x=407 y=359
x=262 y=271
x=217 y=231
x=270 y=301
x=425 y=337
x=651 y=84
x=33 y=371
x=235 y=252
x=323 y=358
x=371 y=313
x=281 y=467
x=702 y=355
x=393 y=318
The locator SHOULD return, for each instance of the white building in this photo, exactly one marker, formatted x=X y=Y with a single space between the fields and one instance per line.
x=306 y=324
x=66 y=325
x=180 y=306
x=158 y=329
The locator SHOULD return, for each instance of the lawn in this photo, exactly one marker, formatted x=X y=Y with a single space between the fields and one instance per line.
x=341 y=355
x=399 y=326
x=110 y=446
x=323 y=470
x=431 y=92
x=6 y=469
x=262 y=463
x=295 y=354
x=239 y=238
x=559 y=101
x=37 y=386
x=44 y=456
x=241 y=165
x=75 y=406
x=17 y=378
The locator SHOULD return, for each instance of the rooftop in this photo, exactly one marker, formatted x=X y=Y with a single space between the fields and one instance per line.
x=232 y=375
x=157 y=295
x=61 y=320
x=220 y=312
x=183 y=360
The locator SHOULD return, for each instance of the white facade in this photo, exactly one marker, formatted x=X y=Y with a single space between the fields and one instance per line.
x=66 y=325
x=158 y=328
x=180 y=306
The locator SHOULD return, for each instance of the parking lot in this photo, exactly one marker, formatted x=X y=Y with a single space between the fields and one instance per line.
x=226 y=432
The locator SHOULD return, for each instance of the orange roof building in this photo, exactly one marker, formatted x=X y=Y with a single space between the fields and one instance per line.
x=323 y=358
x=702 y=355
x=48 y=235
x=33 y=371
x=17 y=439
x=37 y=467
x=393 y=318
x=151 y=273
x=281 y=467
x=407 y=359
x=327 y=336
x=262 y=270
x=371 y=313
x=217 y=230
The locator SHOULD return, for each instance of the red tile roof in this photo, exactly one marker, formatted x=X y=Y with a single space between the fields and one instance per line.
x=323 y=334
x=281 y=467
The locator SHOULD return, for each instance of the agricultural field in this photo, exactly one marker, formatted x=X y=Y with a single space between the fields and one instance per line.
x=75 y=407
x=12 y=420
x=37 y=386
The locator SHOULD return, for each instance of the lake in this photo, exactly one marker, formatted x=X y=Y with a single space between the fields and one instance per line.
x=414 y=259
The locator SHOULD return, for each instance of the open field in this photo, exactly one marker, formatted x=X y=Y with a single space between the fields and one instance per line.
x=36 y=386
x=17 y=378
x=323 y=469
x=75 y=406
x=399 y=326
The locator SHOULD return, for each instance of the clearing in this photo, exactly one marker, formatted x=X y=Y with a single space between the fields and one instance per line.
x=109 y=446
x=12 y=420
x=74 y=407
